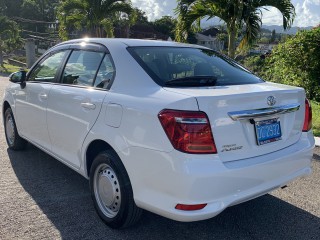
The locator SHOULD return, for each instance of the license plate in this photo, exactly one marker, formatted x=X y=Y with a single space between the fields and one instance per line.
x=268 y=131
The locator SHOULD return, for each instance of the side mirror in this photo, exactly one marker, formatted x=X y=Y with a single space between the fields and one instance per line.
x=18 y=77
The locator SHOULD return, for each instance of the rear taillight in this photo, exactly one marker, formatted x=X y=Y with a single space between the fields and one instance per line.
x=307 y=125
x=188 y=131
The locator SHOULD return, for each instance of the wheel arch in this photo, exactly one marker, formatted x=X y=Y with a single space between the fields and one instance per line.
x=93 y=149
x=5 y=106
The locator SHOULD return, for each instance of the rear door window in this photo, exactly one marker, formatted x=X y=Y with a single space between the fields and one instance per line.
x=82 y=67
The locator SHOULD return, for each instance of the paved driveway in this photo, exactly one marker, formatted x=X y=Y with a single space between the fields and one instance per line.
x=40 y=198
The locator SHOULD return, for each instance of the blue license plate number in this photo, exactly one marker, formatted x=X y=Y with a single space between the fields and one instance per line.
x=268 y=131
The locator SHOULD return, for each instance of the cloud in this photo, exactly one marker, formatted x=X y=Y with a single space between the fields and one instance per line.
x=307 y=14
x=308 y=11
x=271 y=16
x=155 y=9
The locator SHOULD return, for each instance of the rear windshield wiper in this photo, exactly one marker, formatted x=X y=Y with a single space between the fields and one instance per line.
x=194 y=81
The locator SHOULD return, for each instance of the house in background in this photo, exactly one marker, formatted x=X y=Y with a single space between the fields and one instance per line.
x=262 y=48
x=208 y=38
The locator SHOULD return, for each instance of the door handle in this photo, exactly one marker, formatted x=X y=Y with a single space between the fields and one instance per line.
x=88 y=105
x=43 y=96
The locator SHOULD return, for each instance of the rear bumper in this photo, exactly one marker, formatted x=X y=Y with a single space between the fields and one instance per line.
x=161 y=180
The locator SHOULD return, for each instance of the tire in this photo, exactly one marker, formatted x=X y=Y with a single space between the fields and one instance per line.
x=111 y=191
x=14 y=141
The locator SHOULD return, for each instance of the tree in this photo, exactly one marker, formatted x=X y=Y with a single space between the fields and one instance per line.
x=125 y=21
x=140 y=16
x=30 y=10
x=273 y=36
x=11 y=8
x=9 y=36
x=237 y=14
x=96 y=17
x=165 y=25
x=264 y=40
x=31 y=15
x=224 y=38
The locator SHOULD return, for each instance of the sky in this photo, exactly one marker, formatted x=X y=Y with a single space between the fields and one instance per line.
x=307 y=11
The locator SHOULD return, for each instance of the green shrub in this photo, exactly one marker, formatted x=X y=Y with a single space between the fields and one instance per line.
x=255 y=64
x=296 y=62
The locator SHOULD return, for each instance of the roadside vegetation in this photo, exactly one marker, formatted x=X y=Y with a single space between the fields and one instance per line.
x=8 y=68
x=316 y=118
x=9 y=36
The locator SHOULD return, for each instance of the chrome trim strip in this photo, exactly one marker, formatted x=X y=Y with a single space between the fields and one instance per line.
x=263 y=112
x=191 y=120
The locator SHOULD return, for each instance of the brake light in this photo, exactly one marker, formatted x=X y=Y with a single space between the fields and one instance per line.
x=188 y=131
x=307 y=117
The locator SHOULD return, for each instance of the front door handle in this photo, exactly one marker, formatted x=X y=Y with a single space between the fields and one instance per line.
x=88 y=105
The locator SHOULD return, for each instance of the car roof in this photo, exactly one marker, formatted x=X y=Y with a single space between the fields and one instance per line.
x=130 y=42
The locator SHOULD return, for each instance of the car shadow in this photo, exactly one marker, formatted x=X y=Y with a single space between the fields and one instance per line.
x=316 y=157
x=64 y=197
x=4 y=74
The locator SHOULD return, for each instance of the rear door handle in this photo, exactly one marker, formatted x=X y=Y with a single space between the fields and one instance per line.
x=88 y=105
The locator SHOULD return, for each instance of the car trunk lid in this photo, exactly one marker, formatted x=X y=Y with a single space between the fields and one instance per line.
x=236 y=132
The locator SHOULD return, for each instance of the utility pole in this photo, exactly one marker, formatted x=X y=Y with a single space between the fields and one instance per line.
x=30 y=52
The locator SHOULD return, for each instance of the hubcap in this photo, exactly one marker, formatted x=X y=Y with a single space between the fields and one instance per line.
x=10 y=133
x=107 y=190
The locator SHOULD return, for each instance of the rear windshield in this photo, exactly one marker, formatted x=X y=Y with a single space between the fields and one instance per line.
x=182 y=66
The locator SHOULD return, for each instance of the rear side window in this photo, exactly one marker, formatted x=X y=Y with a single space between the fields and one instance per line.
x=105 y=74
x=81 y=68
x=176 y=66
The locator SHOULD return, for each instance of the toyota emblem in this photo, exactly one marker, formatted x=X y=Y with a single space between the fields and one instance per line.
x=271 y=100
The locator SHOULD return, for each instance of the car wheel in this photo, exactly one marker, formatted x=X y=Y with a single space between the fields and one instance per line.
x=15 y=142
x=111 y=191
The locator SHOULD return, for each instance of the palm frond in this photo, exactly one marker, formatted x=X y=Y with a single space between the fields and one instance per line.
x=120 y=7
x=252 y=29
x=284 y=6
x=72 y=5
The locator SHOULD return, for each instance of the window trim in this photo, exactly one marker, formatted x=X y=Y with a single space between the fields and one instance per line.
x=44 y=58
x=65 y=64
x=91 y=47
x=96 y=73
x=69 y=48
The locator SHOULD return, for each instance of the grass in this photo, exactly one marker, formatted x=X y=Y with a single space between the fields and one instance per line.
x=316 y=118
x=8 y=68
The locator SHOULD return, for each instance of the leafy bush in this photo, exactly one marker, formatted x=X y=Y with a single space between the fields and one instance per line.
x=255 y=64
x=296 y=62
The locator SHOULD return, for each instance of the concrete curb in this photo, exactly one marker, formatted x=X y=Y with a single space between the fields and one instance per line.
x=317 y=140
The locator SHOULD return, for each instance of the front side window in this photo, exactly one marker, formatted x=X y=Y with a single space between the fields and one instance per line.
x=81 y=68
x=46 y=70
x=184 y=66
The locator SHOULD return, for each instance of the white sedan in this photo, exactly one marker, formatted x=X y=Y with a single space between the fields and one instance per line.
x=179 y=130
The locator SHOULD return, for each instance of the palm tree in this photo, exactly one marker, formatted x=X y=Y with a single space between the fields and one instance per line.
x=9 y=35
x=237 y=14
x=95 y=16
